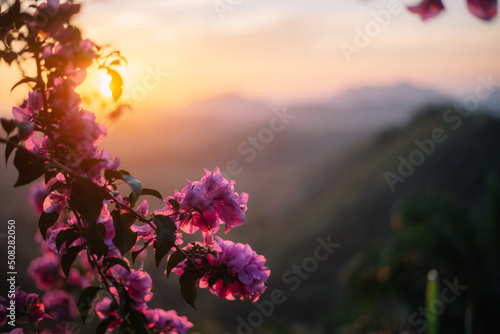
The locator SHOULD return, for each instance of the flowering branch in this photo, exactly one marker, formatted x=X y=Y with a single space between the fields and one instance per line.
x=87 y=227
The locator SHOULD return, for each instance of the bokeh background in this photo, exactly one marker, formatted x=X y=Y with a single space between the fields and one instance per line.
x=389 y=151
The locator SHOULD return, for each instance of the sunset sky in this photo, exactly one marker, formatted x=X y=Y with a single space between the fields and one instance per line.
x=281 y=51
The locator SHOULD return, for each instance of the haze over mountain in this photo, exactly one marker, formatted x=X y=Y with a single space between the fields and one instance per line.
x=315 y=170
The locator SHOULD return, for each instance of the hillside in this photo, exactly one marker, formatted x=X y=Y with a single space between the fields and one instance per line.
x=309 y=182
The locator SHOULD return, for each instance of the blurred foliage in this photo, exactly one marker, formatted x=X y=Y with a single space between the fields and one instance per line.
x=386 y=284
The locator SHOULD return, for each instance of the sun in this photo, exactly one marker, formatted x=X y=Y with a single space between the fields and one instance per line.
x=104 y=81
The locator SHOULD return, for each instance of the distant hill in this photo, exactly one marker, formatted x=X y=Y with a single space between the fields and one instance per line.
x=323 y=174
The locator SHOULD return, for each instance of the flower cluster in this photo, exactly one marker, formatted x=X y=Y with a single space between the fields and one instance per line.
x=26 y=304
x=87 y=228
x=206 y=204
x=482 y=9
x=229 y=270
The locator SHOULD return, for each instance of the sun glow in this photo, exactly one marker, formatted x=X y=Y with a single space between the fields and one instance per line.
x=104 y=81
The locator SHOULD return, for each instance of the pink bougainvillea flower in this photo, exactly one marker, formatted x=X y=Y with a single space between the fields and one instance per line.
x=247 y=268
x=29 y=304
x=55 y=202
x=206 y=204
x=137 y=283
x=45 y=271
x=60 y=304
x=167 y=321
x=483 y=9
x=427 y=9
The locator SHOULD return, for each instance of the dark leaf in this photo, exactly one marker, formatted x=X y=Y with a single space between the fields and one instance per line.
x=138 y=321
x=29 y=167
x=23 y=80
x=49 y=174
x=87 y=164
x=8 y=125
x=97 y=246
x=86 y=299
x=112 y=261
x=9 y=148
x=46 y=221
x=151 y=192
x=110 y=174
x=24 y=130
x=59 y=186
x=103 y=325
x=124 y=238
x=68 y=235
x=135 y=184
x=175 y=204
x=187 y=283
x=125 y=299
x=136 y=253
x=86 y=198
x=165 y=236
x=68 y=258
x=174 y=259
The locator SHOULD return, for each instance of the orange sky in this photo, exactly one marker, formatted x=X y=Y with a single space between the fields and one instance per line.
x=282 y=51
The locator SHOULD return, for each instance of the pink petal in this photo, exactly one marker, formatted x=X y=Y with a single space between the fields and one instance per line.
x=483 y=9
x=427 y=9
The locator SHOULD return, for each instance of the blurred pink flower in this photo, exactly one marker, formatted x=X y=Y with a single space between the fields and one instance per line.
x=483 y=9
x=45 y=271
x=167 y=321
x=60 y=304
x=427 y=9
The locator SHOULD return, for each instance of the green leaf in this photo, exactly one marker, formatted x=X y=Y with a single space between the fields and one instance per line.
x=9 y=148
x=135 y=184
x=86 y=198
x=23 y=80
x=165 y=236
x=87 y=164
x=124 y=238
x=46 y=221
x=136 y=253
x=112 y=261
x=86 y=299
x=8 y=125
x=187 y=283
x=29 y=167
x=174 y=259
x=68 y=258
x=103 y=325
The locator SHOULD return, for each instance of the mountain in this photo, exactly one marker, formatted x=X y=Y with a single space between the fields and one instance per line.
x=319 y=173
